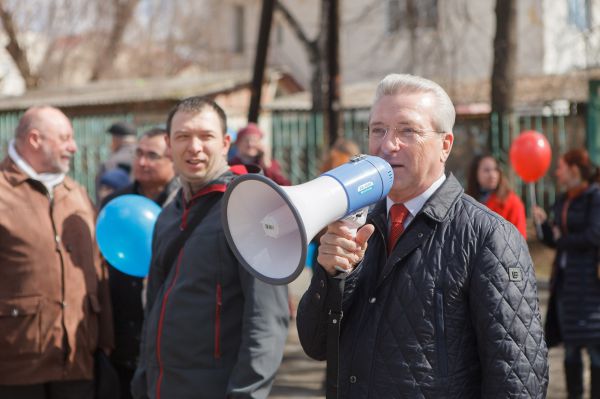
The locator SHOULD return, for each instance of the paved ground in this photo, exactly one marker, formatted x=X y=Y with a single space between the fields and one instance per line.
x=301 y=377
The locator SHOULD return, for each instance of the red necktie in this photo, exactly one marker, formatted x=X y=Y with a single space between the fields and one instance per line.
x=398 y=214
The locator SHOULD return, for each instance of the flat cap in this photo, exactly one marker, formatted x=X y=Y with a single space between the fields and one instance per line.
x=122 y=129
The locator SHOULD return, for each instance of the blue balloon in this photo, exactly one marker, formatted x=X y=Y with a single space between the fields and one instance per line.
x=124 y=233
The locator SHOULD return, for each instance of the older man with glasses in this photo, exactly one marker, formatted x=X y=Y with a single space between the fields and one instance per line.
x=442 y=303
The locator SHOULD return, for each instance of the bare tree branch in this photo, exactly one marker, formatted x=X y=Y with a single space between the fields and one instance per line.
x=15 y=50
x=123 y=11
x=313 y=51
x=295 y=26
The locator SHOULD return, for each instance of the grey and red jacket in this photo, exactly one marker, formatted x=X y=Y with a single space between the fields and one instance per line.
x=212 y=330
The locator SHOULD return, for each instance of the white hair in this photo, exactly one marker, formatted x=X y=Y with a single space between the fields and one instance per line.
x=393 y=84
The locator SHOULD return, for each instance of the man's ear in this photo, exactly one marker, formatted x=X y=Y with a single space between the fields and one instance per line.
x=34 y=138
x=447 y=142
x=226 y=143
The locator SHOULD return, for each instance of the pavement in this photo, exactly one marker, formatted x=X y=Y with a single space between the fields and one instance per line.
x=301 y=377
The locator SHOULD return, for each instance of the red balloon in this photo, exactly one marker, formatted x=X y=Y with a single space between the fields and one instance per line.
x=530 y=155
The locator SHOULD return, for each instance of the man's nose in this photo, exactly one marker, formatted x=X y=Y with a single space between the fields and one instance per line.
x=72 y=146
x=195 y=145
x=391 y=143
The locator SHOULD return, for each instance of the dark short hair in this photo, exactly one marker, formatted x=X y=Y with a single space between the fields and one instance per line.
x=197 y=104
x=153 y=132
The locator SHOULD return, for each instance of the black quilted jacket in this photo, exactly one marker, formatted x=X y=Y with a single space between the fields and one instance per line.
x=452 y=313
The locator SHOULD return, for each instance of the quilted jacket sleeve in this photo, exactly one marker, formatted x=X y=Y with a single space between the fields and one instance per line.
x=505 y=314
x=314 y=306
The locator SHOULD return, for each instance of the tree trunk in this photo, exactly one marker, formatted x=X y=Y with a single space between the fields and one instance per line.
x=504 y=67
x=333 y=120
x=505 y=49
x=262 y=48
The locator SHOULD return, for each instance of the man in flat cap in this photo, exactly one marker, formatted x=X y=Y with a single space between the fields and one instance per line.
x=123 y=145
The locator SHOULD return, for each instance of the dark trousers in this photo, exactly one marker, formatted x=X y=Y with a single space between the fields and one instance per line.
x=83 y=389
x=125 y=376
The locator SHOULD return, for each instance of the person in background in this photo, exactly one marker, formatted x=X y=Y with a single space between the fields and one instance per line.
x=488 y=185
x=55 y=311
x=111 y=181
x=154 y=178
x=437 y=295
x=574 y=306
x=340 y=152
x=212 y=330
x=122 y=147
x=251 y=151
x=232 y=148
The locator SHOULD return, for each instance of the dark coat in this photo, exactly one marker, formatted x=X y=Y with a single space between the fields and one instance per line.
x=212 y=330
x=126 y=295
x=452 y=313
x=575 y=285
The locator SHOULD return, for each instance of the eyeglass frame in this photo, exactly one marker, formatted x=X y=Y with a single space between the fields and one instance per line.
x=405 y=138
x=149 y=155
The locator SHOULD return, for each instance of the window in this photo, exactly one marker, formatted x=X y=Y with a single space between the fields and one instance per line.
x=411 y=13
x=238 y=29
x=580 y=14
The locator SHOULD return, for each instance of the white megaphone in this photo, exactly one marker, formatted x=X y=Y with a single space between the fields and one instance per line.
x=269 y=227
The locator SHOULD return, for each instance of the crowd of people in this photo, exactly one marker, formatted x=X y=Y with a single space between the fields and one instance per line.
x=437 y=299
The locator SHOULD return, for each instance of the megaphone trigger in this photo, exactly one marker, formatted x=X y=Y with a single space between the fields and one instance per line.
x=354 y=222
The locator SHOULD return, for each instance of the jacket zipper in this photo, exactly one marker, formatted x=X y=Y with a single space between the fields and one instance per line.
x=218 y=305
x=440 y=335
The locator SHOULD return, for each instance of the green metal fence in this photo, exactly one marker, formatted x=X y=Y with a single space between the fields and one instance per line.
x=299 y=143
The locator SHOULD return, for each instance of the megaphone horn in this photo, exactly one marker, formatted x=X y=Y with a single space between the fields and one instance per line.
x=268 y=227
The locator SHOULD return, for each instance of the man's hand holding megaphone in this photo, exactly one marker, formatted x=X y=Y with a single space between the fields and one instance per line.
x=342 y=248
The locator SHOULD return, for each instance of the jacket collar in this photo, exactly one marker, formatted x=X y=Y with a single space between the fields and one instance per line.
x=439 y=204
x=15 y=176
x=436 y=207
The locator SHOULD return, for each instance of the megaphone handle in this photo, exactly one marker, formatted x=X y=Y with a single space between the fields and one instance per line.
x=353 y=221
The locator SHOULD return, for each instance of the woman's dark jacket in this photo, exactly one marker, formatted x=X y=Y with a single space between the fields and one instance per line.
x=575 y=282
x=451 y=313
x=126 y=294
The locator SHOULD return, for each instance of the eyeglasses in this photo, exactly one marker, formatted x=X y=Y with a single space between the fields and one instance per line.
x=405 y=134
x=150 y=155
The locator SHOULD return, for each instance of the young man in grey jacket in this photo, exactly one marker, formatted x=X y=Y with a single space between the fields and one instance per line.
x=211 y=329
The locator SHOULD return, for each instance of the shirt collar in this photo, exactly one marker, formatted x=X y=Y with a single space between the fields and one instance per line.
x=49 y=180
x=414 y=205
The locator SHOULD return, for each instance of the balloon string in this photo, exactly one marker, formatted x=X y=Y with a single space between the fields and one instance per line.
x=538 y=226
